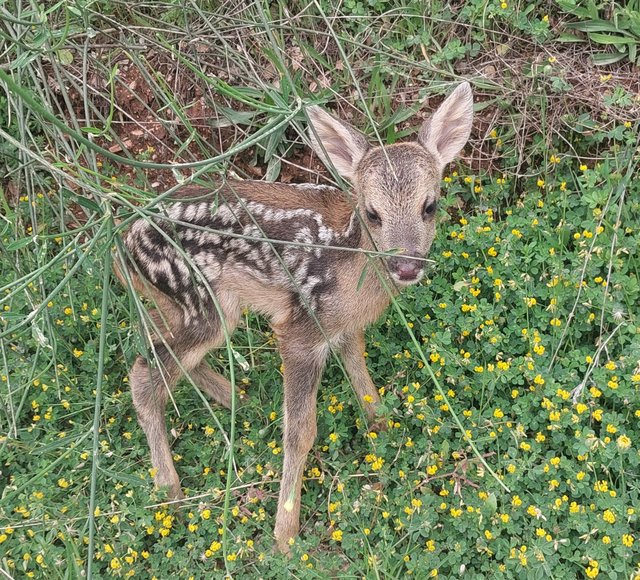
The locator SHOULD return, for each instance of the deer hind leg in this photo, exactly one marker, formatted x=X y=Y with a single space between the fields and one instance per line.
x=150 y=388
x=303 y=360
x=213 y=384
x=181 y=350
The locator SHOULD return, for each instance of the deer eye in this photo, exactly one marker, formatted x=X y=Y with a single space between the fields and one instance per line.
x=373 y=216
x=429 y=209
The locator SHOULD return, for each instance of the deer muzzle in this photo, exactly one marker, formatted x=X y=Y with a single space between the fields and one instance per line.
x=405 y=268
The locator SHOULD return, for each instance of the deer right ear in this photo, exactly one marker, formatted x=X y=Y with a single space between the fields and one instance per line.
x=336 y=142
x=446 y=133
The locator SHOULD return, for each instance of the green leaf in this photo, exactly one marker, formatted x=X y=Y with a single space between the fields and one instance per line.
x=610 y=38
x=604 y=58
x=64 y=56
x=244 y=364
x=595 y=26
x=363 y=275
x=87 y=203
x=18 y=244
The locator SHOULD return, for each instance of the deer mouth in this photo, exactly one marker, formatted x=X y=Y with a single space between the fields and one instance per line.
x=405 y=269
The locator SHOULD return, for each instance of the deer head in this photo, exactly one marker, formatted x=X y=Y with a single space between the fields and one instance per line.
x=397 y=186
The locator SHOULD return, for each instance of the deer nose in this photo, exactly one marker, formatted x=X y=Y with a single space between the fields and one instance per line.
x=405 y=267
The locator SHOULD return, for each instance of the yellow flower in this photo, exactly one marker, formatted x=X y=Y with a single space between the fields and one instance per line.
x=592 y=570
x=574 y=507
x=533 y=511
x=623 y=442
x=609 y=517
x=377 y=464
x=337 y=535
x=581 y=408
x=627 y=540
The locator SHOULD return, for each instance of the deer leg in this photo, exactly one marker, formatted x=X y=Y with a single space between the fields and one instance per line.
x=303 y=364
x=213 y=384
x=152 y=383
x=150 y=388
x=351 y=352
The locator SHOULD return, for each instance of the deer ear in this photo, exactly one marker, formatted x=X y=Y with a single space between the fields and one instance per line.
x=336 y=142
x=446 y=133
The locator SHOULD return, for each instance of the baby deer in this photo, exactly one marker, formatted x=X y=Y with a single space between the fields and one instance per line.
x=286 y=251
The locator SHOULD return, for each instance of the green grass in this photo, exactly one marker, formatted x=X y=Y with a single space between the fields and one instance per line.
x=514 y=366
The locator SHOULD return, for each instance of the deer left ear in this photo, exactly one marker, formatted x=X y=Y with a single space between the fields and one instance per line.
x=448 y=130
x=336 y=142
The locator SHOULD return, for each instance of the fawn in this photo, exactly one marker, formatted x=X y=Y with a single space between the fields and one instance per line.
x=207 y=257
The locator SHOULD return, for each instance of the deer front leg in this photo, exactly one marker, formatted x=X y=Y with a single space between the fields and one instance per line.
x=352 y=354
x=303 y=364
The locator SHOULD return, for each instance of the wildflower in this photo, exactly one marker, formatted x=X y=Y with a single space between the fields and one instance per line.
x=581 y=408
x=430 y=546
x=623 y=442
x=337 y=535
x=574 y=507
x=377 y=464
x=592 y=570
x=627 y=540
x=609 y=517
